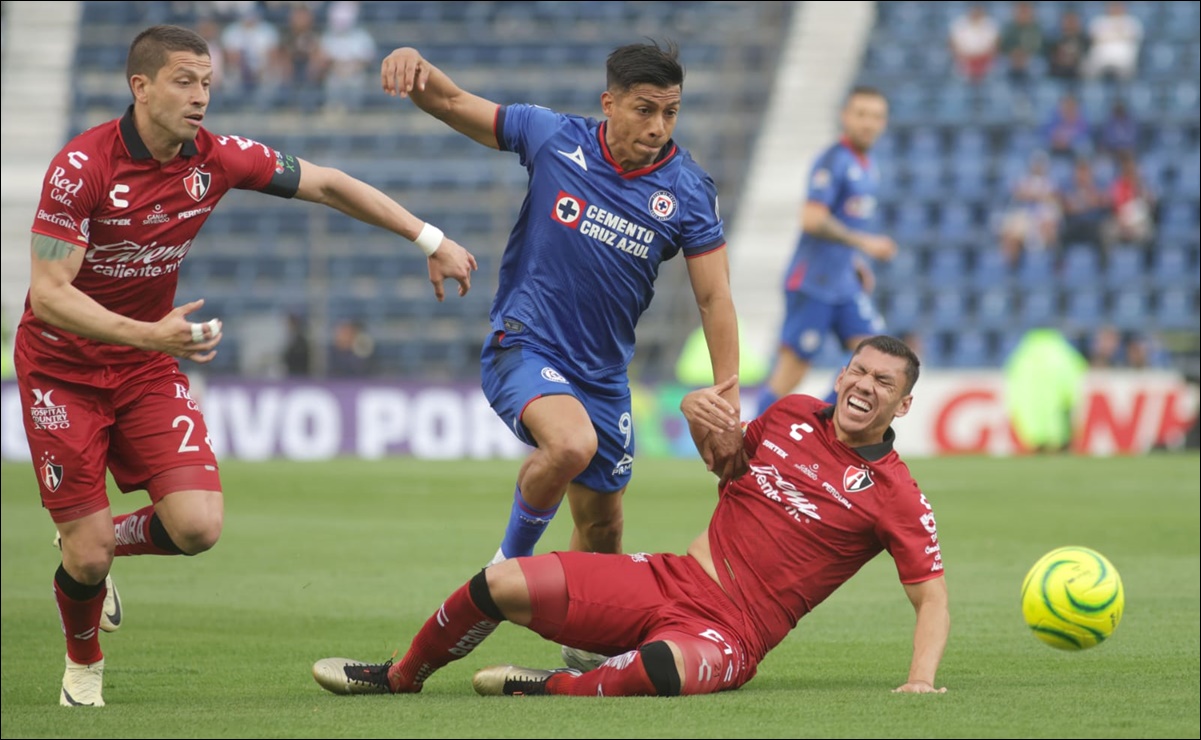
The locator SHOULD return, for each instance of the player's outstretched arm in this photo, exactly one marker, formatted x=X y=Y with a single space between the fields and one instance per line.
x=405 y=73
x=817 y=220
x=710 y=277
x=929 y=599
x=357 y=199
x=55 y=300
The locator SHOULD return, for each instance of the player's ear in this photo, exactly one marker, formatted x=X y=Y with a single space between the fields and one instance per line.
x=607 y=102
x=903 y=407
x=137 y=86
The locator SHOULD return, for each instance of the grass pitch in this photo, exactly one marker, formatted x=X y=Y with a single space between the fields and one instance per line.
x=349 y=558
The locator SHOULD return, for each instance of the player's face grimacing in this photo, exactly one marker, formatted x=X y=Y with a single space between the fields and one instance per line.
x=641 y=120
x=178 y=95
x=871 y=393
x=864 y=119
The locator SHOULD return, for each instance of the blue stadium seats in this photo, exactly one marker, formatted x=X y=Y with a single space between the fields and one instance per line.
x=948 y=265
x=1081 y=266
x=971 y=349
x=991 y=269
x=1085 y=307
x=1129 y=308
x=1039 y=308
x=994 y=308
x=948 y=308
x=1036 y=269
x=1177 y=308
x=1124 y=268
x=903 y=307
x=1170 y=266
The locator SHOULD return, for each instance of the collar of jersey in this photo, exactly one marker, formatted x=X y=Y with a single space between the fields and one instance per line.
x=666 y=153
x=136 y=147
x=870 y=453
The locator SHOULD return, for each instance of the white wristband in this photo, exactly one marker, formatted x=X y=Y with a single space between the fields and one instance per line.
x=429 y=239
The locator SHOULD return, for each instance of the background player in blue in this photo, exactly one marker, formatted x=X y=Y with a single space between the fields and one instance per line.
x=607 y=202
x=827 y=285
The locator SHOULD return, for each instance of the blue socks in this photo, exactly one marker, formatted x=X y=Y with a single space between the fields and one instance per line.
x=526 y=525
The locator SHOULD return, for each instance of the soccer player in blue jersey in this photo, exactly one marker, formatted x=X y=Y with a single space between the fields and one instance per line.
x=608 y=201
x=828 y=282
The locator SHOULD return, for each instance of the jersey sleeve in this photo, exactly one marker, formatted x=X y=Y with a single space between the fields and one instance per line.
x=910 y=535
x=250 y=165
x=825 y=180
x=702 y=229
x=523 y=129
x=73 y=189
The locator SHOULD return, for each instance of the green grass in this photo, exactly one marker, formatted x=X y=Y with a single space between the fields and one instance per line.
x=349 y=558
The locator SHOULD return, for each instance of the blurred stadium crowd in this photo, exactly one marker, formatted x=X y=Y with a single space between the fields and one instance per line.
x=1042 y=167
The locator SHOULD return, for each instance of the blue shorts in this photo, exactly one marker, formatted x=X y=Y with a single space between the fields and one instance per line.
x=514 y=373
x=808 y=320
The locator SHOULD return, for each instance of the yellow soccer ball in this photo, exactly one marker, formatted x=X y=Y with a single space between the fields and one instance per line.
x=1072 y=598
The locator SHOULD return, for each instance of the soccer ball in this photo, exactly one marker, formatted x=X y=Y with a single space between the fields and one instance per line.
x=1072 y=598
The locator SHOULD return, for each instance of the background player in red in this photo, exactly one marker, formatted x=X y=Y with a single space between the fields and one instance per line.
x=96 y=352
x=825 y=488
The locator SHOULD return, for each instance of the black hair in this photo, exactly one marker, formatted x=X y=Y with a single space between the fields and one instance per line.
x=149 y=51
x=895 y=347
x=644 y=64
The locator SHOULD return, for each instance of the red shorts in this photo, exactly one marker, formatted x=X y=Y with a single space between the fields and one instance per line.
x=138 y=421
x=617 y=603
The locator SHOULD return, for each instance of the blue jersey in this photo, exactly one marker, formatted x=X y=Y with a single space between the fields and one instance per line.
x=581 y=262
x=846 y=183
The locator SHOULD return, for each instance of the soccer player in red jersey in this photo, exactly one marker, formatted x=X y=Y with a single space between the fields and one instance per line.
x=824 y=494
x=98 y=346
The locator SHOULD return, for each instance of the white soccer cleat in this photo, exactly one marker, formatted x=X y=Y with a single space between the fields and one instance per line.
x=82 y=684
x=110 y=615
x=511 y=680
x=582 y=660
x=346 y=676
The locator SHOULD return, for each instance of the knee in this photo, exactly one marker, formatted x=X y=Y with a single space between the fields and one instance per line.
x=198 y=534
x=90 y=567
x=573 y=452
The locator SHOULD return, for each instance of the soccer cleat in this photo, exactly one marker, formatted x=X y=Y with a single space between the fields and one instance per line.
x=346 y=676
x=582 y=660
x=511 y=680
x=82 y=684
x=110 y=616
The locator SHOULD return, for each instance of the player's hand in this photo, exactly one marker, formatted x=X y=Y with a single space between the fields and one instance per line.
x=177 y=336
x=725 y=455
x=867 y=278
x=451 y=261
x=403 y=71
x=919 y=687
x=878 y=247
x=706 y=408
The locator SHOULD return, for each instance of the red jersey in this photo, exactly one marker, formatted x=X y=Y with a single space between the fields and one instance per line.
x=810 y=512
x=136 y=219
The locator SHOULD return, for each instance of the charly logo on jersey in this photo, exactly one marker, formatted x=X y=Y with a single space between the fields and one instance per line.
x=45 y=413
x=662 y=205
x=856 y=479
x=50 y=472
x=553 y=375
x=196 y=183
x=568 y=209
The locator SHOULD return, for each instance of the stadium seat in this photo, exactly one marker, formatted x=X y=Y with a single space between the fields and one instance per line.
x=1080 y=266
x=1036 y=268
x=1129 y=308
x=994 y=308
x=991 y=269
x=1124 y=268
x=1085 y=307
x=970 y=349
x=1177 y=308
x=948 y=308
x=1039 y=308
